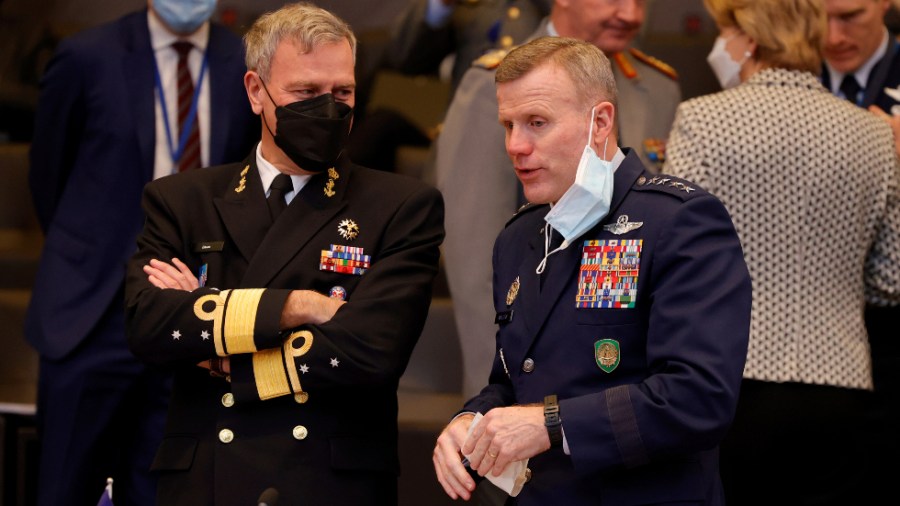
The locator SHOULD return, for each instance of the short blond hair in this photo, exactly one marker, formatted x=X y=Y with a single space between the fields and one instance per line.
x=305 y=23
x=789 y=34
x=585 y=64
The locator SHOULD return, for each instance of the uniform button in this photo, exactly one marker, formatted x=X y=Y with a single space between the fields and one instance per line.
x=642 y=181
x=301 y=398
x=513 y=13
x=506 y=41
x=300 y=433
x=228 y=400
x=226 y=436
x=528 y=365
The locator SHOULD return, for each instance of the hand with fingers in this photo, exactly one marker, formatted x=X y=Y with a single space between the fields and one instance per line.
x=506 y=435
x=447 y=458
x=176 y=275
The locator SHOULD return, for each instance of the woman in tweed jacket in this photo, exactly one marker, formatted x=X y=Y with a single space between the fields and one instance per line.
x=811 y=182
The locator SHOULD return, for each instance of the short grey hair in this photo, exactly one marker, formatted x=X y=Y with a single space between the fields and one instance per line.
x=585 y=64
x=305 y=23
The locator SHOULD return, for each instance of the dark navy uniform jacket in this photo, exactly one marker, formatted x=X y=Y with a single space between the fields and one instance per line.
x=648 y=430
x=317 y=419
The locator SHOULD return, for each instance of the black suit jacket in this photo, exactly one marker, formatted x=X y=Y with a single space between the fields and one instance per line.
x=91 y=156
x=885 y=74
x=334 y=443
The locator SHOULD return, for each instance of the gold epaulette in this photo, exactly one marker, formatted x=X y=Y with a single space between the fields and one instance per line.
x=624 y=65
x=656 y=63
x=491 y=59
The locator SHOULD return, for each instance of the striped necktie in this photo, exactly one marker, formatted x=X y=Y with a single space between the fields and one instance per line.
x=190 y=156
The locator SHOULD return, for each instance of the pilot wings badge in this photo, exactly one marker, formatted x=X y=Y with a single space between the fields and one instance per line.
x=623 y=226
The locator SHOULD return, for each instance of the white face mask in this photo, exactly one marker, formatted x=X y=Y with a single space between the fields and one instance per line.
x=585 y=203
x=727 y=70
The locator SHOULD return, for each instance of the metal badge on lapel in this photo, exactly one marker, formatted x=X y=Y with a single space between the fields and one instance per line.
x=345 y=260
x=608 y=277
x=607 y=354
x=623 y=226
x=243 y=182
x=329 y=186
x=338 y=292
x=348 y=229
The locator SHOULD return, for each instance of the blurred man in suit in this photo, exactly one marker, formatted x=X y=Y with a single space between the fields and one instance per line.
x=430 y=30
x=862 y=64
x=109 y=120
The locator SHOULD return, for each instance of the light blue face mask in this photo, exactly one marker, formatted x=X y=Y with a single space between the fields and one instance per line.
x=585 y=203
x=184 y=16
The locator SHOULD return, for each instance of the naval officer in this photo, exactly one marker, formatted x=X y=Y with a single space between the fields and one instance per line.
x=287 y=320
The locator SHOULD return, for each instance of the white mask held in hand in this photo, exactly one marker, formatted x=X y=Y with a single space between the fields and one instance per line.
x=585 y=203
x=727 y=71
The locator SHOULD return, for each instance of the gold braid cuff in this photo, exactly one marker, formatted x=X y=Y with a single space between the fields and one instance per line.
x=268 y=371
x=293 y=349
x=240 y=319
x=215 y=315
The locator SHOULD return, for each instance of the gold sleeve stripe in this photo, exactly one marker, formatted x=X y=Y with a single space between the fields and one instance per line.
x=291 y=354
x=240 y=318
x=215 y=316
x=268 y=370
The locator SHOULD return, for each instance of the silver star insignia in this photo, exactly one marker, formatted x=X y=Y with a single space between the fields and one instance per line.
x=304 y=368
x=335 y=362
x=176 y=335
x=205 y=335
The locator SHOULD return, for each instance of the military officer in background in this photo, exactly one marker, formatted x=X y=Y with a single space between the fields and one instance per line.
x=623 y=310
x=287 y=320
x=430 y=30
x=476 y=177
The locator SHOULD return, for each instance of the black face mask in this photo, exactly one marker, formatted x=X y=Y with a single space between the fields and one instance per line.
x=312 y=133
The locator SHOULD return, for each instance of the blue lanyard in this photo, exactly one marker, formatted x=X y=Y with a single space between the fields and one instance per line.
x=192 y=114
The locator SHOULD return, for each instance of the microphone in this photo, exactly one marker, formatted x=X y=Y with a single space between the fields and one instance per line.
x=269 y=497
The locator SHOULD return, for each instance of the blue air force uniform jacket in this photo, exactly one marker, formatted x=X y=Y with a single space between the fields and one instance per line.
x=641 y=328
x=311 y=413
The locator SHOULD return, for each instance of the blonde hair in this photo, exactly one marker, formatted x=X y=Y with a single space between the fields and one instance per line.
x=305 y=23
x=789 y=34
x=585 y=64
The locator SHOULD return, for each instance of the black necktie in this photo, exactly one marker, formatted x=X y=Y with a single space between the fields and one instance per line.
x=850 y=88
x=280 y=186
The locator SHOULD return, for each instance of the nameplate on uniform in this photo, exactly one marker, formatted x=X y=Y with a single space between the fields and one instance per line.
x=345 y=260
x=504 y=317
x=209 y=246
x=608 y=277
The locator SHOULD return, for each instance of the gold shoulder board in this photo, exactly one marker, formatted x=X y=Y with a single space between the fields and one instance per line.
x=655 y=63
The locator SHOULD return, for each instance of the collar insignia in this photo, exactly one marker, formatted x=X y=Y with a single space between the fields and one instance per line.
x=329 y=186
x=242 y=184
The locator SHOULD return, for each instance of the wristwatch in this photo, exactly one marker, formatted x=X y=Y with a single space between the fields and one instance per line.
x=552 y=421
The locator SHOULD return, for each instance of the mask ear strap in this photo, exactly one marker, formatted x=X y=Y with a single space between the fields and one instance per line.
x=591 y=128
